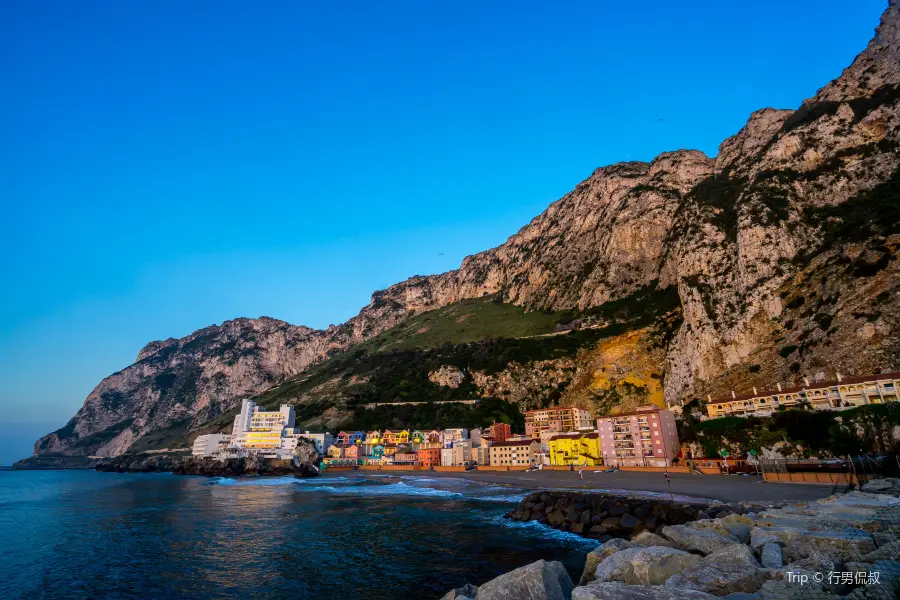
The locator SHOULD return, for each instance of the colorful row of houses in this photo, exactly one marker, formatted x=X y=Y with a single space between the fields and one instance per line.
x=554 y=436
x=433 y=447
x=646 y=436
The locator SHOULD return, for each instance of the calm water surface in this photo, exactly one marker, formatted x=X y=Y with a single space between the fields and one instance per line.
x=81 y=534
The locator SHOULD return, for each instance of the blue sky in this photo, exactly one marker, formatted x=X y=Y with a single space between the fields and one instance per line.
x=165 y=166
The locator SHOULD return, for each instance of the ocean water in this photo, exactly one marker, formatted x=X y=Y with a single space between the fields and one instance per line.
x=81 y=534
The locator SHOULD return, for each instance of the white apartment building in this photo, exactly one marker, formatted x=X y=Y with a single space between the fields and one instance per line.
x=450 y=436
x=322 y=441
x=267 y=433
x=481 y=455
x=475 y=436
x=210 y=444
x=458 y=455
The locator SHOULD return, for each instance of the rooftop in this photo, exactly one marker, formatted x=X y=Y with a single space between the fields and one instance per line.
x=574 y=436
x=640 y=410
x=555 y=409
x=514 y=443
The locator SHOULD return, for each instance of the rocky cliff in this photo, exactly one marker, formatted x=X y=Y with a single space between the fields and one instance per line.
x=782 y=250
x=187 y=381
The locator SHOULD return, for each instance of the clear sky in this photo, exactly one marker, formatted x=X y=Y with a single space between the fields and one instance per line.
x=169 y=165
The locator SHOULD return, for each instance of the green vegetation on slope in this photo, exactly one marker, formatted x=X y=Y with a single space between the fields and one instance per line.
x=799 y=432
x=464 y=322
x=437 y=416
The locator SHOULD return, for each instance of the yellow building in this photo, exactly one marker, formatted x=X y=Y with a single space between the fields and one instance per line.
x=576 y=449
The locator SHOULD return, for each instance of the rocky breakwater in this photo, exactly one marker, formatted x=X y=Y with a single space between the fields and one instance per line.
x=209 y=467
x=303 y=463
x=604 y=516
x=797 y=551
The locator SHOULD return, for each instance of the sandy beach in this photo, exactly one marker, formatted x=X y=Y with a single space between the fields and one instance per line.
x=730 y=488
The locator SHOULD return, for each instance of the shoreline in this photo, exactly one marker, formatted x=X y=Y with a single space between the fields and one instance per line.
x=701 y=489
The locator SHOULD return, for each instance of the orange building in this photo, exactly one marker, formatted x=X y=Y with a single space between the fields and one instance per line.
x=499 y=432
x=429 y=457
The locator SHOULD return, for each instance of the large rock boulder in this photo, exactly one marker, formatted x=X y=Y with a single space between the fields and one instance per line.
x=720 y=578
x=598 y=555
x=735 y=554
x=887 y=551
x=615 y=590
x=696 y=540
x=645 y=538
x=541 y=580
x=610 y=565
x=467 y=592
x=770 y=556
x=645 y=566
x=738 y=526
x=849 y=544
x=654 y=565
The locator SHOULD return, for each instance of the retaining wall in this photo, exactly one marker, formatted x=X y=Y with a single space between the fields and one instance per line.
x=808 y=477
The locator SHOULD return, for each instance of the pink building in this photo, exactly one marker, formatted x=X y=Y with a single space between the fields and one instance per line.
x=646 y=436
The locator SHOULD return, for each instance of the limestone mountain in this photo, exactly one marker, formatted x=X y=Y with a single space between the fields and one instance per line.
x=781 y=252
x=186 y=382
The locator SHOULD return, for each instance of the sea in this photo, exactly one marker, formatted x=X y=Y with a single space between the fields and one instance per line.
x=83 y=534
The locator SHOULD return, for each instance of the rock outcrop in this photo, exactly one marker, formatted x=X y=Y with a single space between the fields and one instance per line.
x=783 y=250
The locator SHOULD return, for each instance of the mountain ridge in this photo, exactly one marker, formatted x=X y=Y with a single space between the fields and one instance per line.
x=737 y=235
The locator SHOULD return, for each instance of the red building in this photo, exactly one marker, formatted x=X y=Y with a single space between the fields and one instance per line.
x=429 y=457
x=498 y=432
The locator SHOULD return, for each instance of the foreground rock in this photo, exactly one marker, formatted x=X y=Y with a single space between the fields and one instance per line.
x=645 y=566
x=720 y=579
x=594 y=558
x=741 y=557
x=620 y=591
x=697 y=540
x=541 y=580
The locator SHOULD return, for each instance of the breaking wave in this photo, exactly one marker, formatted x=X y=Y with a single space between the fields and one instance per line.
x=539 y=530
x=395 y=489
x=508 y=498
x=266 y=481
